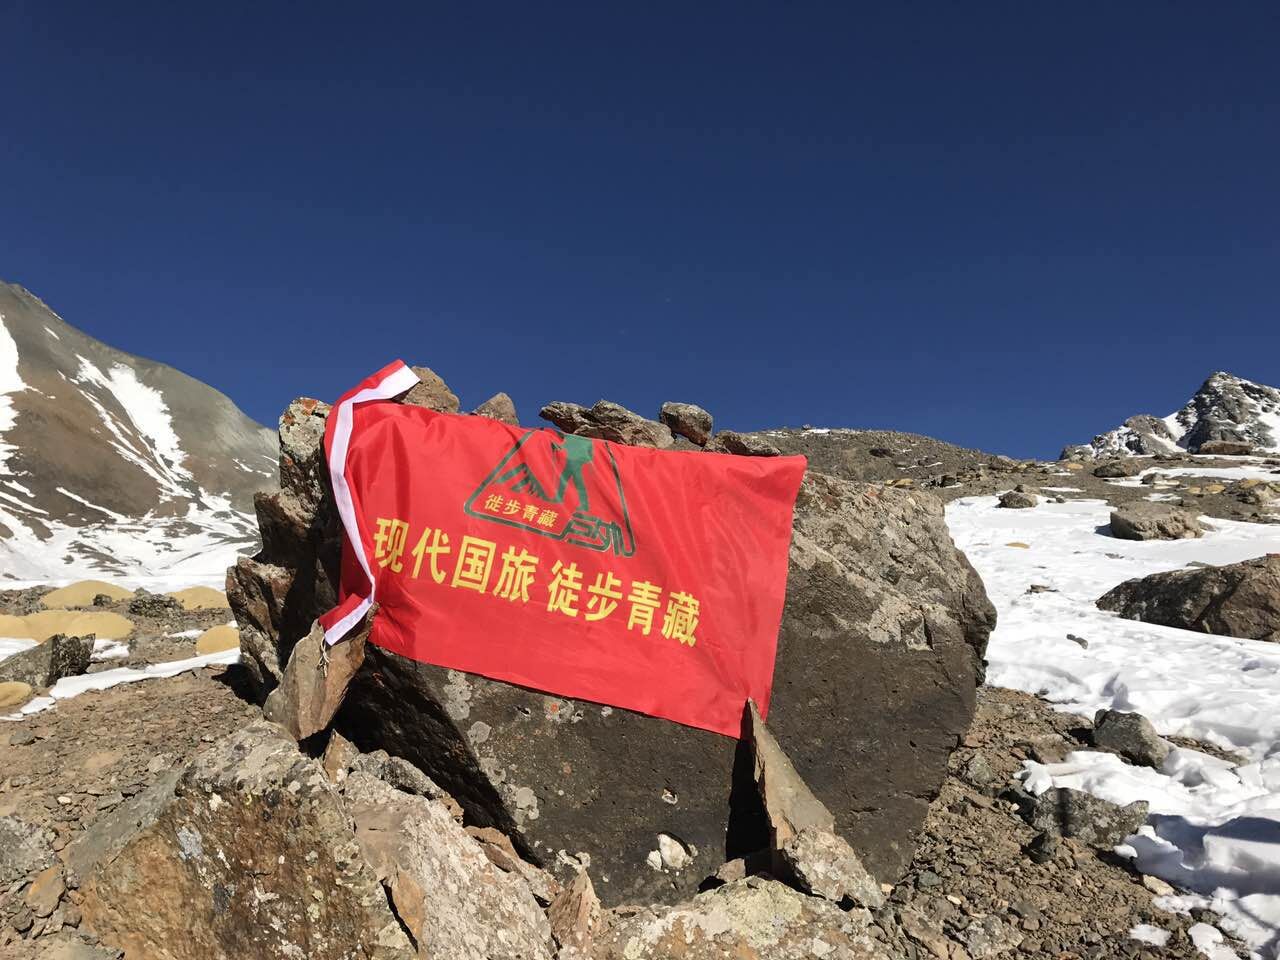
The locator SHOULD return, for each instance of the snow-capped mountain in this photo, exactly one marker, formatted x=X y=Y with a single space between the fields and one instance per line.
x=114 y=465
x=1226 y=407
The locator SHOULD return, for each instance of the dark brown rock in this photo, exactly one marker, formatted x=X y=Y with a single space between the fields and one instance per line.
x=687 y=420
x=1114 y=469
x=1017 y=500
x=1235 y=600
x=1131 y=736
x=431 y=392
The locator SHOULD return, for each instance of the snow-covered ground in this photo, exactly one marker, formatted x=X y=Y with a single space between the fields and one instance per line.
x=1214 y=828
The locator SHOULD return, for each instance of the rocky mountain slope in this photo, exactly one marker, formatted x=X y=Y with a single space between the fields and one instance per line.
x=114 y=464
x=1225 y=408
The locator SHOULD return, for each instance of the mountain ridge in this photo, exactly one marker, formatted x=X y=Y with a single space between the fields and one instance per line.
x=115 y=463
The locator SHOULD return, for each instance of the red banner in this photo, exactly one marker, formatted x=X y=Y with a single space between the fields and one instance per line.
x=644 y=579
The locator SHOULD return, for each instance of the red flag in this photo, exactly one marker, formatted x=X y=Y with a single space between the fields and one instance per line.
x=645 y=579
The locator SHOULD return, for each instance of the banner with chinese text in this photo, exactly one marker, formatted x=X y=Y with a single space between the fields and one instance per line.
x=643 y=579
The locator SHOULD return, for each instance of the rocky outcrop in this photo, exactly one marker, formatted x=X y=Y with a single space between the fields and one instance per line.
x=608 y=421
x=879 y=654
x=1115 y=469
x=1235 y=600
x=1154 y=521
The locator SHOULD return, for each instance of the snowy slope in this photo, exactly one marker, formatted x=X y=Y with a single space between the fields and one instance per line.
x=1225 y=407
x=114 y=465
x=1215 y=826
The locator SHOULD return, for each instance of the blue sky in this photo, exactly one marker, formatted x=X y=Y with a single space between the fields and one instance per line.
x=1008 y=225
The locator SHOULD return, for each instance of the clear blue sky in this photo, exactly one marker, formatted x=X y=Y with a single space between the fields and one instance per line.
x=1008 y=225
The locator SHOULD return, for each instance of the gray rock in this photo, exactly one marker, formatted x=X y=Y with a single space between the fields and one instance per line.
x=499 y=407
x=397 y=773
x=1015 y=500
x=754 y=917
x=449 y=896
x=687 y=420
x=1131 y=736
x=1235 y=600
x=23 y=850
x=1115 y=469
x=431 y=392
x=46 y=663
x=990 y=937
x=742 y=444
x=823 y=864
x=1154 y=521
x=250 y=854
x=1084 y=817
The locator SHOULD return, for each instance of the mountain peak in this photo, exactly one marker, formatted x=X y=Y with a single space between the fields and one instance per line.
x=1225 y=407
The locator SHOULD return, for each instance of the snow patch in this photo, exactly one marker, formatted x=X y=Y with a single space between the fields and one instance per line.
x=1214 y=827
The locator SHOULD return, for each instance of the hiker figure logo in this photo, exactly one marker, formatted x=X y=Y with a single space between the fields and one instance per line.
x=559 y=486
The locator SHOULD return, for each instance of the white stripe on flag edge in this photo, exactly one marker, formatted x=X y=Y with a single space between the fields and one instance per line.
x=393 y=384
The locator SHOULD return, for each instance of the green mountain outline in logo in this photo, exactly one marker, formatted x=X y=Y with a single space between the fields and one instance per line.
x=584 y=529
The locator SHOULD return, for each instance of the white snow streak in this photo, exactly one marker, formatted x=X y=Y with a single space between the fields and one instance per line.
x=10 y=383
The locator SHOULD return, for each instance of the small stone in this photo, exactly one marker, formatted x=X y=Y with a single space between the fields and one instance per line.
x=1042 y=848
x=1157 y=886
x=46 y=890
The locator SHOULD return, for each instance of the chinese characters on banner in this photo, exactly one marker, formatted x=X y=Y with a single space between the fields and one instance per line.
x=644 y=579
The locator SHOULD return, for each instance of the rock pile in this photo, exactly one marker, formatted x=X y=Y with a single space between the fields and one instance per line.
x=879 y=655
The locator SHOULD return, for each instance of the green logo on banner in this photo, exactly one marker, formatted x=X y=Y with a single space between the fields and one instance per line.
x=559 y=486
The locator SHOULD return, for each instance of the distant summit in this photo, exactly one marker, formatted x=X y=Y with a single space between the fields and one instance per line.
x=116 y=464
x=1225 y=410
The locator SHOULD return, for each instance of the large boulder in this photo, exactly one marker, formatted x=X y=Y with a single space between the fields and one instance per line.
x=1226 y=448
x=1142 y=520
x=879 y=655
x=1235 y=600
x=687 y=420
x=250 y=853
